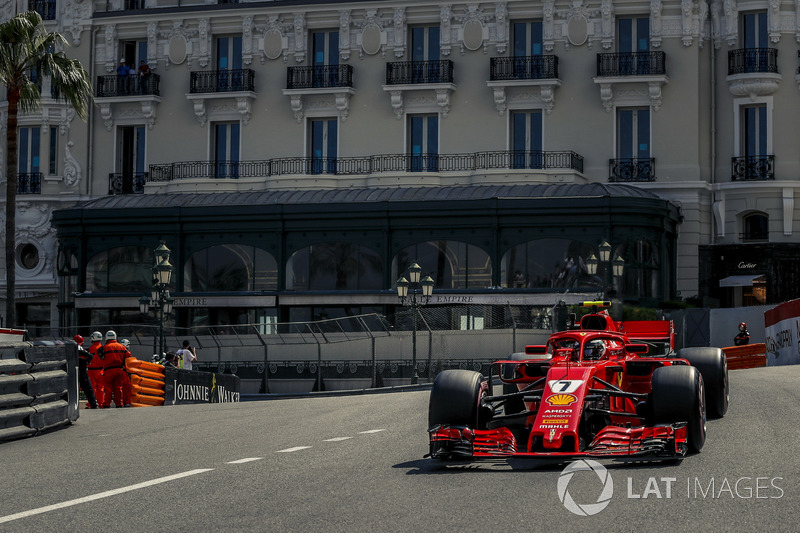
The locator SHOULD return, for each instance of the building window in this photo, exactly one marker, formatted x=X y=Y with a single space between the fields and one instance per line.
x=633 y=45
x=526 y=139
x=325 y=58
x=52 y=161
x=423 y=143
x=323 y=144
x=130 y=150
x=28 y=256
x=754 y=30
x=549 y=263
x=229 y=64
x=425 y=54
x=29 y=142
x=226 y=150
x=230 y=267
x=527 y=39
x=756 y=227
x=451 y=264
x=633 y=146
x=334 y=266
x=123 y=269
x=754 y=128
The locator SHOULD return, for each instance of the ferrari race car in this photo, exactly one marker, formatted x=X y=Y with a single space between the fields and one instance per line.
x=597 y=389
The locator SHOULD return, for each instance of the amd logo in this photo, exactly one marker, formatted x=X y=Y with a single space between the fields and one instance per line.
x=746 y=265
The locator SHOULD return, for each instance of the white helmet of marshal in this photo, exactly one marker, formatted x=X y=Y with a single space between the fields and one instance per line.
x=97 y=336
x=126 y=343
x=111 y=335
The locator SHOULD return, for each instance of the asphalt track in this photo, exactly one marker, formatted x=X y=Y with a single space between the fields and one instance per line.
x=356 y=463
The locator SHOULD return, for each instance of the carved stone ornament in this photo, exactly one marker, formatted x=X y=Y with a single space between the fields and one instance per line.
x=72 y=169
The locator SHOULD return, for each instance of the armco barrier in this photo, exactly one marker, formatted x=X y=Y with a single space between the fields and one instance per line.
x=147 y=382
x=747 y=356
x=38 y=388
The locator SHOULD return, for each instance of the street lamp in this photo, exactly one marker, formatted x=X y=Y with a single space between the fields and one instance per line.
x=414 y=272
x=159 y=297
x=617 y=265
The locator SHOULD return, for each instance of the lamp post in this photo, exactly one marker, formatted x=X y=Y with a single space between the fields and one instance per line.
x=159 y=297
x=403 y=284
x=617 y=266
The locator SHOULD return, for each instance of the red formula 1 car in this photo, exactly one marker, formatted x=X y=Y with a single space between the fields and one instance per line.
x=600 y=389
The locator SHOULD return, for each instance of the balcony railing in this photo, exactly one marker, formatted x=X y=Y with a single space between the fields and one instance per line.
x=753 y=168
x=632 y=169
x=752 y=60
x=365 y=165
x=46 y=8
x=220 y=81
x=29 y=183
x=632 y=64
x=319 y=76
x=134 y=5
x=131 y=85
x=126 y=182
x=408 y=72
x=523 y=68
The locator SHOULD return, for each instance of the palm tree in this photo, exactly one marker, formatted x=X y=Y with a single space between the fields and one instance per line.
x=27 y=50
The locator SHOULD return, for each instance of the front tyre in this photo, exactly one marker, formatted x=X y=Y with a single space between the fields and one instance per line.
x=713 y=365
x=455 y=399
x=678 y=395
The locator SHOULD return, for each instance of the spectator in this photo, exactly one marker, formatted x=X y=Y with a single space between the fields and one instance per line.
x=171 y=360
x=144 y=77
x=95 y=368
x=188 y=354
x=84 y=358
x=123 y=76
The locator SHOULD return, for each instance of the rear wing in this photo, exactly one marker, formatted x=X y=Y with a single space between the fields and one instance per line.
x=658 y=334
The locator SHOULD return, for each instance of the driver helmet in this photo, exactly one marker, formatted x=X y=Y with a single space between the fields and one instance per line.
x=742 y=326
x=593 y=351
x=97 y=336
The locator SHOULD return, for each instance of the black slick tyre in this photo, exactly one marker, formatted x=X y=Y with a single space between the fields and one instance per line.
x=455 y=399
x=678 y=396
x=713 y=365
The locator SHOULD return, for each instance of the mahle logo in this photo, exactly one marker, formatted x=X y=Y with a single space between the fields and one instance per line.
x=585 y=509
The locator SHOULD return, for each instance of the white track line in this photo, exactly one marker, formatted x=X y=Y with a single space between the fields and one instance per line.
x=295 y=449
x=337 y=439
x=372 y=431
x=245 y=460
x=101 y=495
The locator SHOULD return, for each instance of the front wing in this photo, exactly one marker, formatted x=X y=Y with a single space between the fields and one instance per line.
x=462 y=442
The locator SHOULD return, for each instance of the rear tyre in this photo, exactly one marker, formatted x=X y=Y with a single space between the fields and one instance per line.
x=713 y=365
x=678 y=396
x=455 y=399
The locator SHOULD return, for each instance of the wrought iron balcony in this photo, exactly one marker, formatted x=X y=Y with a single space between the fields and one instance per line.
x=46 y=8
x=344 y=166
x=131 y=85
x=409 y=72
x=134 y=5
x=29 y=183
x=319 y=76
x=523 y=68
x=752 y=60
x=753 y=168
x=220 y=81
x=631 y=64
x=126 y=182
x=632 y=169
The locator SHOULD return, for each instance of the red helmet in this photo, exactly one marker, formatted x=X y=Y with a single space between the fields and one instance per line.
x=78 y=339
x=742 y=325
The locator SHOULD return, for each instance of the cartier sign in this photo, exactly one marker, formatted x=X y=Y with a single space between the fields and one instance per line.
x=744 y=265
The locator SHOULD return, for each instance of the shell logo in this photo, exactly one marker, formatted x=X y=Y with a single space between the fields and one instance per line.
x=561 y=399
